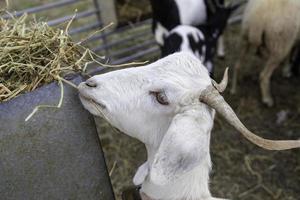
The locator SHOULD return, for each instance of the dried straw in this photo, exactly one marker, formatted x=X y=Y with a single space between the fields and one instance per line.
x=34 y=54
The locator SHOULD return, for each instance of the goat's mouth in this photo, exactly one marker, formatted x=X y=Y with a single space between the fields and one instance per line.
x=92 y=101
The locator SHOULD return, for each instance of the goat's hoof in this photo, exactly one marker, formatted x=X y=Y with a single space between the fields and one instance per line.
x=268 y=102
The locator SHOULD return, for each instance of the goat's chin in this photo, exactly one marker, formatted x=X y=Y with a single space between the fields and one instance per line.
x=92 y=107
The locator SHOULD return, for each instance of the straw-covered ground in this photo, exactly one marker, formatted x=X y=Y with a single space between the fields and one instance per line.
x=240 y=169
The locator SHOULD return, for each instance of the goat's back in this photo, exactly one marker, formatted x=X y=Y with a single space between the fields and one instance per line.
x=273 y=23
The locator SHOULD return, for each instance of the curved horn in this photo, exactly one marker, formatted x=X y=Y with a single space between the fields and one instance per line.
x=223 y=84
x=212 y=97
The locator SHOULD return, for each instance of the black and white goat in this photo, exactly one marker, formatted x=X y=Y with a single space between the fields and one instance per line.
x=167 y=14
x=200 y=40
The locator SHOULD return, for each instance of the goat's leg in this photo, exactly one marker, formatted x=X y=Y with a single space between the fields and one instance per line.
x=295 y=65
x=291 y=65
x=287 y=70
x=265 y=77
x=221 y=47
x=237 y=66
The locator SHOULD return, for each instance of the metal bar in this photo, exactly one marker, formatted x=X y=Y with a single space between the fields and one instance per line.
x=42 y=8
x=133 y=48
x=116 y=42
x=84 y=28
x=124 y=28
x=96 y=5
x=99 y=18
x=69 y=17
x=100 y=69
x=135 y=56
x=232 y=20
x=149 y=51
x=96 y=71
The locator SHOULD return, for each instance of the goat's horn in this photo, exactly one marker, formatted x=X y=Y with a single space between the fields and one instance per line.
x=223 y=84
x=212 y=97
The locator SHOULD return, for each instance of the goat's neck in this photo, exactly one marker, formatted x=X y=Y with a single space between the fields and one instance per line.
x=161 y=13
x=193 y=185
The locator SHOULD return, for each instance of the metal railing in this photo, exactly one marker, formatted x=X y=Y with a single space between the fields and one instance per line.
x=121 y=45
x=42 y=8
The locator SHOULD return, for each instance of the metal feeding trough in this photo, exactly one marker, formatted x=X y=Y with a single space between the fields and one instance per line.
x=56 y=154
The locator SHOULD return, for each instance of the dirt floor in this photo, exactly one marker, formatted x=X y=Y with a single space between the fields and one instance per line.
x=240 y=169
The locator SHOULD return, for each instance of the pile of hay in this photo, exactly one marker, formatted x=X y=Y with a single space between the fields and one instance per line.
x=33 y=54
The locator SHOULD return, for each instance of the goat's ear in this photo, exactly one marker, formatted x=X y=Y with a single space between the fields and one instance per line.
x=183 y=147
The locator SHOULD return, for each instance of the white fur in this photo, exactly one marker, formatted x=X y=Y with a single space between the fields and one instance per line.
x=141 y=174
x=184 y=31
x=160 y=33
x=274 y=27
x=192 y=12
x=176 y=136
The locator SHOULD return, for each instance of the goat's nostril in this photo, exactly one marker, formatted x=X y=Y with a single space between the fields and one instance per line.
x=91 y=83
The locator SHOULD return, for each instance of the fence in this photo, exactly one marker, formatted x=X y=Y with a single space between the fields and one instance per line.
x=121 y=45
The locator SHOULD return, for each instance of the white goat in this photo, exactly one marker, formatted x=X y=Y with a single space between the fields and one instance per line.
x=169 y=105
x=273 y=27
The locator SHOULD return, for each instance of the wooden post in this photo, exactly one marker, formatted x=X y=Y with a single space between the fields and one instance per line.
x=108 y=12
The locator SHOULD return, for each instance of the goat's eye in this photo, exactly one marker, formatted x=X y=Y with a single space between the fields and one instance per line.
x=161 y=97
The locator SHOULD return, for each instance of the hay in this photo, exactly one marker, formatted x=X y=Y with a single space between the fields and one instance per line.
x=33 y=54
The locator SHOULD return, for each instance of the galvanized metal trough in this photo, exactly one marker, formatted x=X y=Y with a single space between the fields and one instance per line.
x=56 y=154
